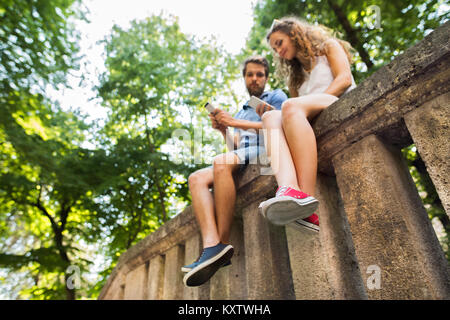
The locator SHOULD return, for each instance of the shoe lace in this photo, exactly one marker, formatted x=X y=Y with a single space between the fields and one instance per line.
x=201 y=255
x=281 y=190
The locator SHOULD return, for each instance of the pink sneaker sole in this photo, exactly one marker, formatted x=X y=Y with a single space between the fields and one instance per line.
x=285 y=209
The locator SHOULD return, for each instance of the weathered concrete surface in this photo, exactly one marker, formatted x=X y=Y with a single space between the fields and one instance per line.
x=155 y=278
x=231 y=282
x=338 y=252
x=389 y=225
x=309 y=273
x=173 y=278
x=192 y=249
x=266 y=258
x=115 y=291
x=136 y=283
x=429 y=126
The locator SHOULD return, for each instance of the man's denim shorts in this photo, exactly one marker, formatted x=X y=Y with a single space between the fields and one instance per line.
x=250 y=154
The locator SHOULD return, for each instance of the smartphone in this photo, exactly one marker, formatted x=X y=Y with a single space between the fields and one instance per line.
x=209 y=107
x=254 y=102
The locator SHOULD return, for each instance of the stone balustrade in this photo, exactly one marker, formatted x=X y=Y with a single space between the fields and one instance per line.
x=375 y=239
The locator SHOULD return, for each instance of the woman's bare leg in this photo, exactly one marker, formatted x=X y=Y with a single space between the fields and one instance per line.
x=278 y=151
x=300 y=135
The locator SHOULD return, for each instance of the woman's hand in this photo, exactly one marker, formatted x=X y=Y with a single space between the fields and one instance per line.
x=263 y=107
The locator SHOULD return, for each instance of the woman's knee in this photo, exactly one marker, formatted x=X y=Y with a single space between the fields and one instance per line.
x=293 y=108
x=271 y=119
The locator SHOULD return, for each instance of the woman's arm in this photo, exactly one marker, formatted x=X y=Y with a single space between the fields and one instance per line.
x=340 y=67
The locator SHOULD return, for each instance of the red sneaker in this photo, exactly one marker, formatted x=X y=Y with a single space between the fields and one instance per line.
x=288 y=205
x=311 y=223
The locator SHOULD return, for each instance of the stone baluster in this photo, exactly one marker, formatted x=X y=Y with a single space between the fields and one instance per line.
x=429 y=126
x=193 y=248
x=390 y=228
x=338 y=260
x=136 y=283
x=266 y=257
x=173 y=278
x=156 y=278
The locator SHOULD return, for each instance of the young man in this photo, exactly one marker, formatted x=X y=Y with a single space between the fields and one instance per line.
x=214 y=212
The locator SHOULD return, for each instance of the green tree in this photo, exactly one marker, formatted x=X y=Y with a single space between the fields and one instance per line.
x=46 y=178
x=156 y=83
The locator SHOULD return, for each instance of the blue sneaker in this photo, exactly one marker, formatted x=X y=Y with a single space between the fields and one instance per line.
x=211 y=259
x=191 y=266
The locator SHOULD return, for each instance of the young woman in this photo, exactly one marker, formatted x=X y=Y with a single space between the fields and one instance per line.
x=316 y=66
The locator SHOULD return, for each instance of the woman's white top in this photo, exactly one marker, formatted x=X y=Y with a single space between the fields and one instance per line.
x=320 y=78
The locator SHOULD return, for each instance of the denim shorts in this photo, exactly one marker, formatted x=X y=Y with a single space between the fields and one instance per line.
x=250 y=154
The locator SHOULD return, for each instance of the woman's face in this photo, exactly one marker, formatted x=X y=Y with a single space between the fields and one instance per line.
x=282 y=44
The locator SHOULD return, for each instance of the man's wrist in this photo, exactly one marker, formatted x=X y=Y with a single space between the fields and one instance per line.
x=234 y=123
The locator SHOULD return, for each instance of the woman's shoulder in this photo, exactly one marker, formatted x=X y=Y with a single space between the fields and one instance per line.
x=328 y=45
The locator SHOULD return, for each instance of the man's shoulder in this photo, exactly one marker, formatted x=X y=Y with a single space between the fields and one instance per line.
x=275 y=97
x=275 y=94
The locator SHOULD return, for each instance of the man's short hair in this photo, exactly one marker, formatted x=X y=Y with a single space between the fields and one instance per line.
x=258 y=60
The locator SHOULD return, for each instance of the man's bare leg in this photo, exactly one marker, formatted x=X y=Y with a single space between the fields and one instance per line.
x=225 y=193
x=203 y=203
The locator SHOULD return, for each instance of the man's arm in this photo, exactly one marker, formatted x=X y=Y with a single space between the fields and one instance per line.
x=231 y=141
x=226 y=119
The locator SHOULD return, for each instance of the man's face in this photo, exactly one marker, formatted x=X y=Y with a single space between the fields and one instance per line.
x=255 y=79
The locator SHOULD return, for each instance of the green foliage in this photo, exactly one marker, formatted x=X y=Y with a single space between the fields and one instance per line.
x=42 y=186
x=37 y=41
x=155 y=73
x=428 y=194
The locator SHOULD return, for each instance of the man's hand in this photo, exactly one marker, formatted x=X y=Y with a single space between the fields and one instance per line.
x=263 y=107
x=224 y=118
x=216 y=125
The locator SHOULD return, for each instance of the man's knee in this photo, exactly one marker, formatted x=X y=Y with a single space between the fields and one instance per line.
x=197 y=178
x=224 y=163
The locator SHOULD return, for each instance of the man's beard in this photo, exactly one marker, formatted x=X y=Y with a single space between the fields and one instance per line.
x=255 y=90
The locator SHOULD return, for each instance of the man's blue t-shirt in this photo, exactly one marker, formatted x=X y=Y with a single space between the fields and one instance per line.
x=250 y=137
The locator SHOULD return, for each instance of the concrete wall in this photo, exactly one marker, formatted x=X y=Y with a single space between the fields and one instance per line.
x=375 y=239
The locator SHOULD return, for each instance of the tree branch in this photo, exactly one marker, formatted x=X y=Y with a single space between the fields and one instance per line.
x=352 y=34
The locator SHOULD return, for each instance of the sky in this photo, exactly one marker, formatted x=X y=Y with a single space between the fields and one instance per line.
x=229 y=21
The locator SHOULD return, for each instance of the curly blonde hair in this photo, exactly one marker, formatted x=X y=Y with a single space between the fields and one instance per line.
x=309 y=41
